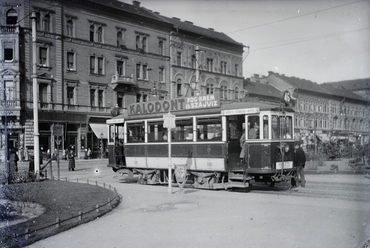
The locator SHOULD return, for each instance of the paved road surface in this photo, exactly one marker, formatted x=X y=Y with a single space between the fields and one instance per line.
x=332 y=211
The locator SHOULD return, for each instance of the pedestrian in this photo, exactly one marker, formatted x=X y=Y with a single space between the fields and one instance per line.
x=71 y=162
x=21 y=153
x=89 y=153
x=65 y=154
x=13 y=161
x=299 y=162
x=242 y=141
x=26 y=154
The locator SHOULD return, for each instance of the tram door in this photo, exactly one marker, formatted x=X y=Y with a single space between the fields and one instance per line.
x=235 y=129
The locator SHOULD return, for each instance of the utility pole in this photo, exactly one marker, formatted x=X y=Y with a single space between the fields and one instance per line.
x=36 y=142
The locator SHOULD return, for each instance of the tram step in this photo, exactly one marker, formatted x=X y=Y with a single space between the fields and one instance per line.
x=240 y=178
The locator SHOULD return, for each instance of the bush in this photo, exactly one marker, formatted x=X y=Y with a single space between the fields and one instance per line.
x=313 y=161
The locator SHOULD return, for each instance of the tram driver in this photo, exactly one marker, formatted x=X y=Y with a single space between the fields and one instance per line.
x=253 y=132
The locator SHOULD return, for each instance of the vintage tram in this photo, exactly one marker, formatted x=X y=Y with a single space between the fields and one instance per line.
x=222 y=145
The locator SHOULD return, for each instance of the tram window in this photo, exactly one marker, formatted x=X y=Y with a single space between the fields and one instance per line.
x=236 y=126
x=183 y=130
x=156 y=132
x=265 y=127
x=135 y=132
x=286 y=123
x=253 y=127
x=209 y=129
x=282 y=127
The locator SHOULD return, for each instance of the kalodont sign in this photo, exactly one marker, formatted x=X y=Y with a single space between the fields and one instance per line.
x=173 y=105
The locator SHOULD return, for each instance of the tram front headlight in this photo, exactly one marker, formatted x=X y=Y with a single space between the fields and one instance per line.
x=286 y=148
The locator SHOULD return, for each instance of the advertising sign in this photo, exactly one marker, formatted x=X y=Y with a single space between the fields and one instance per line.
x=173 y=105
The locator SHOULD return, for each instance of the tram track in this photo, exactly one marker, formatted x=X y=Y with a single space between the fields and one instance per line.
x=347 y=191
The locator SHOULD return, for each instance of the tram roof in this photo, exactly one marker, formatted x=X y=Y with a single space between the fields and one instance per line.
x=262 y=106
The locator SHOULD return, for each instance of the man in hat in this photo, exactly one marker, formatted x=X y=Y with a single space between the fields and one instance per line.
x=299 y=162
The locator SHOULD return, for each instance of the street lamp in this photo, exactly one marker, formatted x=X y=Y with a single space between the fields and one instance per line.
x=36 y=143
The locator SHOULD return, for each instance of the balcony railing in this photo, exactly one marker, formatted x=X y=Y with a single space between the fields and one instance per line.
x=8 y=29
x=8 y=103
x=122 y=80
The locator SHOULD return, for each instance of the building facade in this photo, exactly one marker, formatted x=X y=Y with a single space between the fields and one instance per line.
x=94 y=58
x=322 y=109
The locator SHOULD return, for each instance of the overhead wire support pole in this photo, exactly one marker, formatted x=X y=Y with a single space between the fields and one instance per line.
x=36 y=142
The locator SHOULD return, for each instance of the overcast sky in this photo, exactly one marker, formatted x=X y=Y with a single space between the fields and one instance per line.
x=318 y=40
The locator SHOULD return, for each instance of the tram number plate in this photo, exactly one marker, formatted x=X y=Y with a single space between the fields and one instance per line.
x=209 y=164
x=287 y=165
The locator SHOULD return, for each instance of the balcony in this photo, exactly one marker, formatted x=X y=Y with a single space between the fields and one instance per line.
x=8 y=29
x=123 y=81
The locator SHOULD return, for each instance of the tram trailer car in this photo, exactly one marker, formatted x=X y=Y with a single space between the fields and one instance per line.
x=206 y=140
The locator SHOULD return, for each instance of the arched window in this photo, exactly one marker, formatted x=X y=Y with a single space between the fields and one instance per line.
x=11 y=17
x=210 y=89
x=236 y=93
x=178 y=87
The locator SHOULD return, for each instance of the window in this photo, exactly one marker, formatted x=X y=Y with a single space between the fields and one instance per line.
x=99 y=35
x=156 y=132
x=92 y=98
x=43 y=56
x=120 y=39
x=184 y=130
x=100 y=66
x=145 y=72
x=70 y=28
x=282 y=127
x=160 y=47
x=236 y=69
x=121 y=99
x=8 y=54
x=9 y=91
x=11 y=17
x=144 y=44
x=178 y=59
x=92 y=64
x=161 y=74
x=70 y=95
x=43 y=94
x=223 y=67
x=138 y=45
x=138 y=71
x=210 y=65
x=46 y=23
x=236 y=93
x=71 y=63
x=100 y=98
x=178 y=87
x=38 y=17
x=224 y=92
x=210 y=89
x=209 y=129
x=138 y=97
x=92 y=31
x=120 y=68
x=265 y=127
x=135 y=132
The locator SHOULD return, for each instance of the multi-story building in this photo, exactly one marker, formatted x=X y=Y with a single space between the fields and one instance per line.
x=358 y=86
x=322 y=109
x=93 y=57
x=203 y=61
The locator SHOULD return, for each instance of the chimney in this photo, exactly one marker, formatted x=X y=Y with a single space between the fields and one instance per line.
x=188 y=22
x=211 y=29
x=136 y=3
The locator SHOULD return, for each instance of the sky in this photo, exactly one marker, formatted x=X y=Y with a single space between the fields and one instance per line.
x=317 y=40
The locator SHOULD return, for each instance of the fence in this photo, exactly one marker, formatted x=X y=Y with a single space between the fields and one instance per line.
x=98 y=209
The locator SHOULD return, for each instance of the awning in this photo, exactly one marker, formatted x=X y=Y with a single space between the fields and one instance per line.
x=100 y=130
